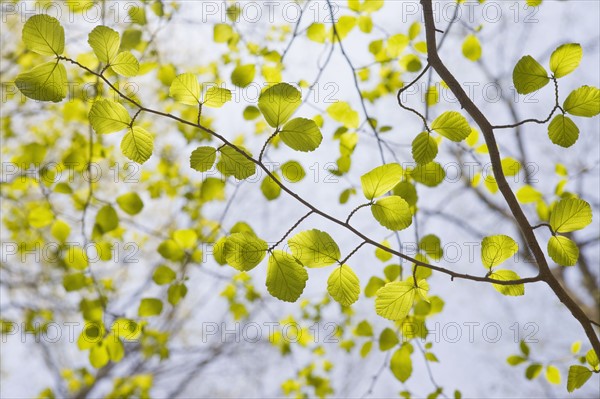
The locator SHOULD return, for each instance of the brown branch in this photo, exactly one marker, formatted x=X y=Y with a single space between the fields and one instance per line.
x=510 y=198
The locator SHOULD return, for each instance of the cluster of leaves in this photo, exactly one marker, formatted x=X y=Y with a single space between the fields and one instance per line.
x=390 y=191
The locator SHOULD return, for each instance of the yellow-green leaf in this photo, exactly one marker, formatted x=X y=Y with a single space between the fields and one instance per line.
x=45 y=82
x=186 y=89
x=496 y=249
x=108 y=116
x=44 y=35
x=105 y=42
x=570 y=214
x=216 y=97
x=509 y=290
x=278 y=103
x=125 y=64
x=137 y=144
x=301 y=134
x=150 y=307
x=286 y=277
x=578 y=375
x=381 y=180
x=343 y=285
x=563 y=250
x=233 y=163
x=244 y=251
x=243 y=75
x=203 y=158
x=553 y=374
x=452 y=125
x=394 y=300
x=316 y=32
x=565 y=59
x=584 y=101
x=471 y=48
x=529 y=75
x=130 y=203
x=342 y=112
x=563 y=131
x=392 y=212
x=314 y=248
x=424 y=148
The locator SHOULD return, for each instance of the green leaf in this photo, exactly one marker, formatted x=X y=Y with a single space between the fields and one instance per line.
x=528 y=194
x=269 y=187
x=216 y=97
x=286 y=277
x=222 y=33
x=565 y=59
x=563 y=251
x=314 y=248
x=471 y=48
x=185 y=238
x=108 y=116
x=592 y=358
x=76 y=258
x=452 y=125
x=394 y=300
x=343 y=285
x=578 y=375
x=430 y=174
x=137 y=144
x=382 y=255
x=233 y=163
x=533 y=371
x=44 y=35
x=563 y=131
x=60 y=230
x=99 y=356
x=392 y=212
x=529 y=75
x=316 y=32
x=163 y=275
x=243 y=75
x=125 y=64
x=244 y=251
x=570 y=214
x=169 y=249
x=105 y=42
x=424 y=148
x=515 y=360
x=293 y=171
x=186 y=89
x=381 y=180
x=509 y=290
x=388 y=339
x=496 y=249
x=107 y=219
x=115 y=349
x=176 y=293
x=301 y=134
x=363 y=329
x=150 y=307
x=432 y=246
x=401 y=364
x=553 y=375
x=45 y=82
x=342 y=112
x=203 y=158
x=366 y=348
x=278 y=103
x=130 y=203
x=584 y=101
x=374 y=284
